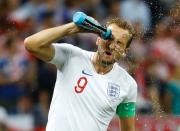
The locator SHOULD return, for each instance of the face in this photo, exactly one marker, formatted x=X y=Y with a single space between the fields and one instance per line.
x=111 y=51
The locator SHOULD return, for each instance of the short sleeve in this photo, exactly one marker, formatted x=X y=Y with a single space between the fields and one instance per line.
x=62 y=53
x=132 y=94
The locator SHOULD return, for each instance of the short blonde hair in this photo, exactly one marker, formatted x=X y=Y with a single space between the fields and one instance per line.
x=124 y=25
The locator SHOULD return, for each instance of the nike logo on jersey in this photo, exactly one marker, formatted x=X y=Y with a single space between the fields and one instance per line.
x=85 y=73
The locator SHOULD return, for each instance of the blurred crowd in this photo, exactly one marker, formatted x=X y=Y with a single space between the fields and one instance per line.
x=26 y=83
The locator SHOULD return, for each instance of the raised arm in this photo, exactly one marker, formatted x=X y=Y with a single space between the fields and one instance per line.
x=40 y=44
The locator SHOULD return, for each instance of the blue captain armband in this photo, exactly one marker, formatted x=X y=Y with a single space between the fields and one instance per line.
x=126 y=109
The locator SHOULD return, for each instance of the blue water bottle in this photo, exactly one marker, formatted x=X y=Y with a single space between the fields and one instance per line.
x=89 y=23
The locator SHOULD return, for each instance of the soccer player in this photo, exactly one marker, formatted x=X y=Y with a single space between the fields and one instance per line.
x=90 y=87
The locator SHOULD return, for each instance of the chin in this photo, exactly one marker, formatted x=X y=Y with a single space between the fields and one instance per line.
x=107 y=63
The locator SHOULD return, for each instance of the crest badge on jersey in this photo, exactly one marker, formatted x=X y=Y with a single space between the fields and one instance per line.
x=113 y=91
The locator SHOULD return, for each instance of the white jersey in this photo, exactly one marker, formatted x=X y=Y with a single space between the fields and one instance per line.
x=84 y=100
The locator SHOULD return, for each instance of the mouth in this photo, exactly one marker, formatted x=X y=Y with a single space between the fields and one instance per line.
x=108 y=53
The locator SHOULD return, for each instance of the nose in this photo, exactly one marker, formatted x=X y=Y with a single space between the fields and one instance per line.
x=111 y=45
x=108 y=43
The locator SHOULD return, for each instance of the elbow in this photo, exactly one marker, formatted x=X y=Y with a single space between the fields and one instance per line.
x=30 y=46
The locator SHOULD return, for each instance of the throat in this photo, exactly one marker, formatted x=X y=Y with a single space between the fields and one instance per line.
x=102 y=67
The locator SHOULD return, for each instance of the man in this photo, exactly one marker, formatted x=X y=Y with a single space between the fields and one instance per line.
x=90 y=87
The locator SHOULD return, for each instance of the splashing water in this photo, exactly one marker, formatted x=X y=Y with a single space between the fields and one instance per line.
x=160 y=113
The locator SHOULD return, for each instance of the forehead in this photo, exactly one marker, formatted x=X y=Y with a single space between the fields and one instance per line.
x=118 y=32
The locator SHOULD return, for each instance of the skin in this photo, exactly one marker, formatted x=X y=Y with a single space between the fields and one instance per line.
x=110 y=51
x=40 y=45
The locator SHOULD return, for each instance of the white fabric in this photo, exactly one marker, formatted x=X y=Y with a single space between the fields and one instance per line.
x=95 y=106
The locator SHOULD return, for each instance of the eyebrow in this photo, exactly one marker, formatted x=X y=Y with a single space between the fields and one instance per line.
x=118 y=41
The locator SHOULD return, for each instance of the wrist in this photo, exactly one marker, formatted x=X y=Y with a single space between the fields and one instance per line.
x=74 y=28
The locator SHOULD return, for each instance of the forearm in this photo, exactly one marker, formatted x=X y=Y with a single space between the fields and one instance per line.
x=131 y=128
x=127 y=124
x=47 y=37
x=40 y=44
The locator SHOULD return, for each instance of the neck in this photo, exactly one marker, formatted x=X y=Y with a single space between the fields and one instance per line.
x=100 y=66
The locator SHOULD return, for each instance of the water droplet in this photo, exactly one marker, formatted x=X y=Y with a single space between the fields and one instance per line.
x=145 y=125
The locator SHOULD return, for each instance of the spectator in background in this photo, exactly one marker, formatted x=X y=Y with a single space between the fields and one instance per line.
x=114 y=9
x=41 y=109
x=3 y=119
x=66 y=10
x=174 y=15
x=46 y=19
x=46 y=13
x=160 y=67
x=136 y=60
x=25 y=11
x=4 y=13
x=23 y=106
x=164 y=43
x=157 y=11
x=160 y=9
x=16 y=72
x=167 y=5
x=136 y=11
x=99 y=11
x=174 y=90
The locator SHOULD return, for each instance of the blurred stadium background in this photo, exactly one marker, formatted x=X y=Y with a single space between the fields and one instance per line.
x=26 y=83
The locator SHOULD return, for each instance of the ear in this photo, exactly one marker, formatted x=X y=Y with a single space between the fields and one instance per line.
x=98 y=40
x=125 y=52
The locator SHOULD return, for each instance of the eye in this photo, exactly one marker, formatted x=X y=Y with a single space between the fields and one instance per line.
x=112 y=38
x=118 y=42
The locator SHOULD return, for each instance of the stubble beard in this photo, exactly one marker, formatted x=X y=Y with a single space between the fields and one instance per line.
x=104 y=63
